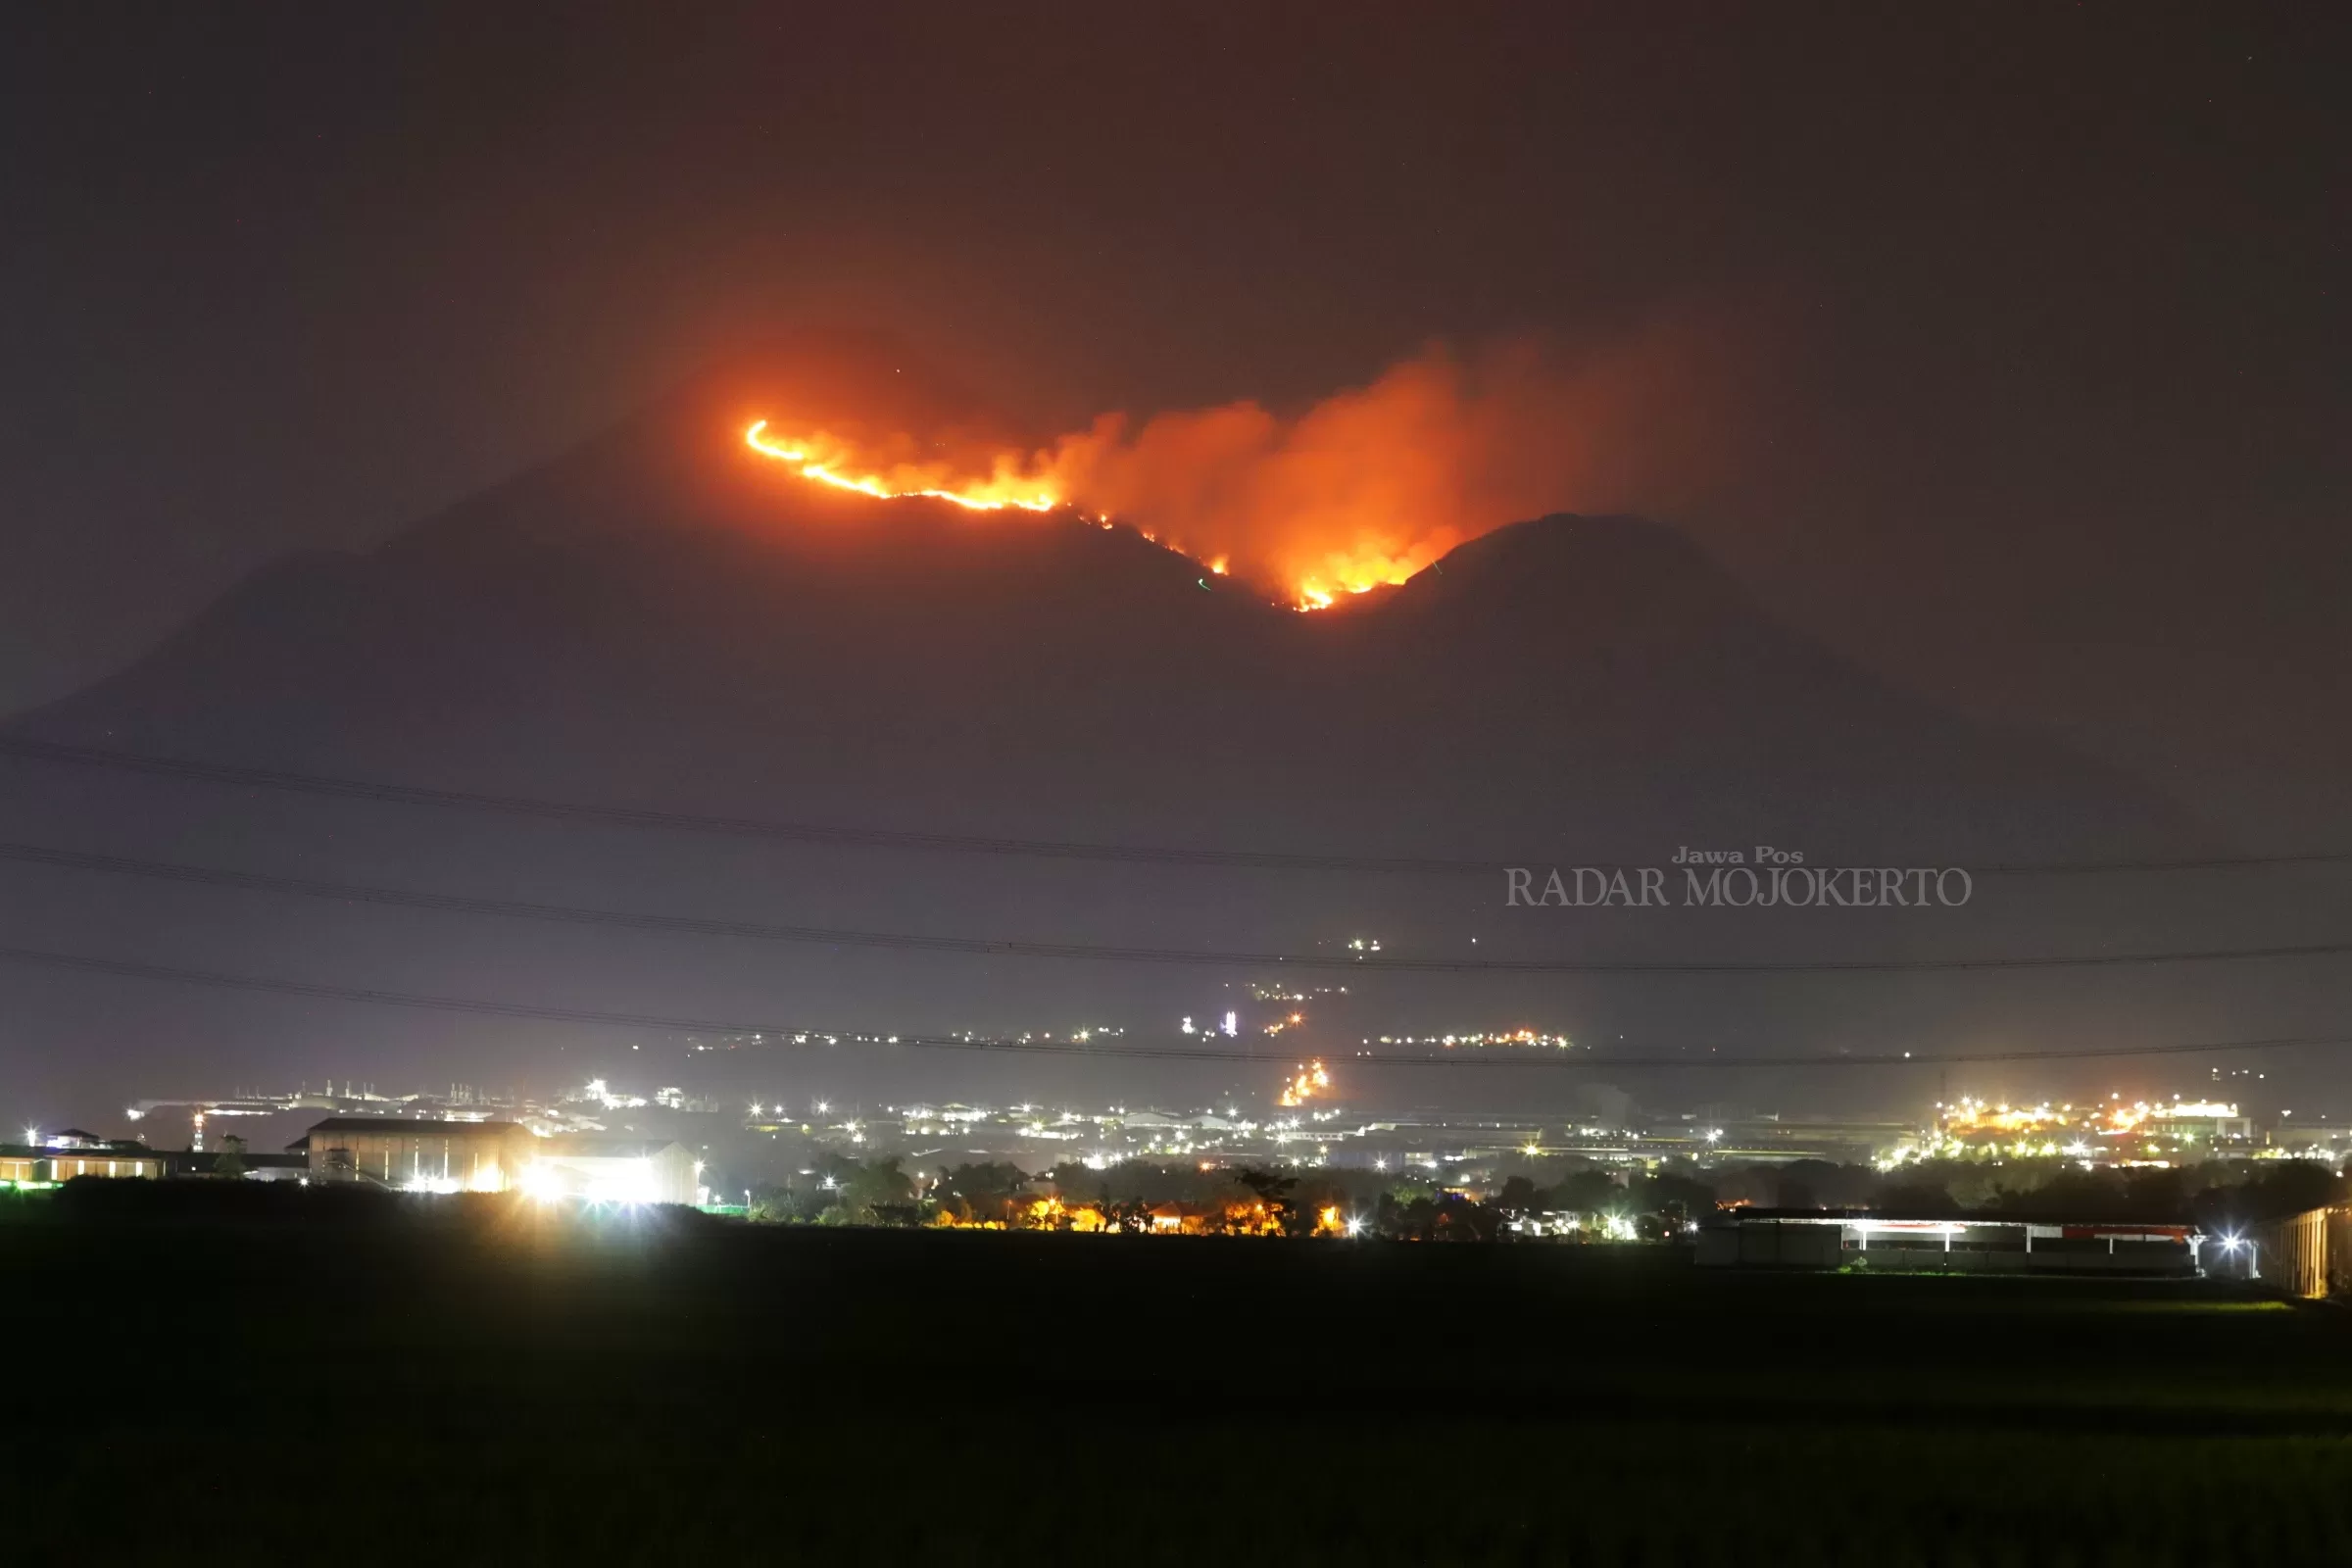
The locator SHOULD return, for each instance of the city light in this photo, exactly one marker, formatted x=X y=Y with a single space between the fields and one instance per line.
x=1311 y=1079
x=632 y=1185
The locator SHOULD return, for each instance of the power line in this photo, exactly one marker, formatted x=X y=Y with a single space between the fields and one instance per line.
x=667 y=1024
x=831 y=936
x=965 y=844
x=738 y=827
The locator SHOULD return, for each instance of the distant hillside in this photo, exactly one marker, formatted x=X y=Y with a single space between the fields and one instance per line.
x=663 y=619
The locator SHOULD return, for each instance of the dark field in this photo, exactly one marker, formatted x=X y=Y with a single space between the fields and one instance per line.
x=482 y=1383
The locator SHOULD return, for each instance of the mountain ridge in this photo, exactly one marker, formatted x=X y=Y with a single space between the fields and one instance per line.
x=662 y=620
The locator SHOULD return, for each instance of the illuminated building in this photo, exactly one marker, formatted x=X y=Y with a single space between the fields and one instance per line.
x=611 y=1169
x=2319 y=1139
x=1845 y=1239
x=438 y=1156
x=498 y=1156
x=71 y=1154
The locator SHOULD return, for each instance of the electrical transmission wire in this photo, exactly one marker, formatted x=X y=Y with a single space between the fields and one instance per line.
x=830 y=936
x=965 y=844
x=801 y=1035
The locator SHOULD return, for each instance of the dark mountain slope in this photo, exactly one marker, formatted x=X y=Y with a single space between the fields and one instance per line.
x=663 y=619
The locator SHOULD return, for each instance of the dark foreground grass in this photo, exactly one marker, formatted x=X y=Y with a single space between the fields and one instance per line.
x=482 y=1384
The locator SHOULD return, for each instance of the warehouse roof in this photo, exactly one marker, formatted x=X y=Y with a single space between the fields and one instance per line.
x=605 y=1146
x=401 y=1127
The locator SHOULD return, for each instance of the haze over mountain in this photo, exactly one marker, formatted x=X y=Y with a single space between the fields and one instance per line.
x=663 y=619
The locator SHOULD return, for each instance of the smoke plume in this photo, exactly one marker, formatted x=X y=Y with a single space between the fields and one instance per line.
x=1365 y=487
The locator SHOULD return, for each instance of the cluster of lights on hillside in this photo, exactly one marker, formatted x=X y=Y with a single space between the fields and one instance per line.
x=1504 y=1036
x=2115 y=1130
x=1311 y=1081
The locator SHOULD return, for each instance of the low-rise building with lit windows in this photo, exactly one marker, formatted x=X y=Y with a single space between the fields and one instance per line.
x=74 y=1152
x=1861 y=1241
x=420 y=1156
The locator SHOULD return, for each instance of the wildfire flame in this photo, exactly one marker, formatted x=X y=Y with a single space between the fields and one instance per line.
x=1363 y=489
x=820 y=458
x=824 y=459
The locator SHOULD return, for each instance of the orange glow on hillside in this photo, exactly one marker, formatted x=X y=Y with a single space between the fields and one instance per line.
x=822 y=458
x=1362 y=490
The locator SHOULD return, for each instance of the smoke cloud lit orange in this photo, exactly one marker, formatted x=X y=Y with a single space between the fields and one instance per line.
x=1365 y=488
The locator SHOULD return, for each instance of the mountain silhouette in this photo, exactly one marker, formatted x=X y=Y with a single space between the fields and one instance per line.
x=661 y=618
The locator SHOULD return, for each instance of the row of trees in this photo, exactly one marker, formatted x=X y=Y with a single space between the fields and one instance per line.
x=2220 y=1196
x=839 y=1191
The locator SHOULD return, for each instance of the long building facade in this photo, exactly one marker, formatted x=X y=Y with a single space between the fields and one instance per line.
x=497 y=1156
x=439 y=1156
x=43 y=1165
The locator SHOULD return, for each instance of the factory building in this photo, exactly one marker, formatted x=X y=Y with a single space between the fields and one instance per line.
x=428 y=1157
x=497 y=1156
x=1852 y=1240
x=619 y=1169
x=74 y=1152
